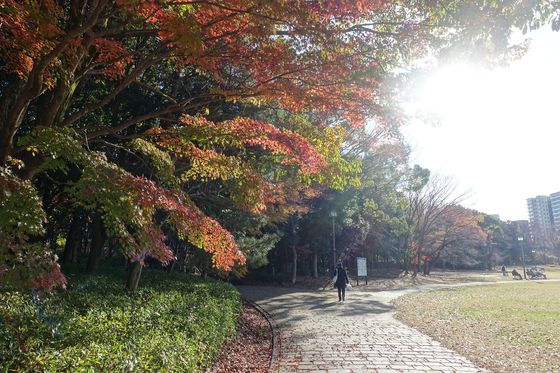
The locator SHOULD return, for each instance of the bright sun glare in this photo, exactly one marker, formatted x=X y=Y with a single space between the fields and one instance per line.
x=498 y=130
x=449 y=91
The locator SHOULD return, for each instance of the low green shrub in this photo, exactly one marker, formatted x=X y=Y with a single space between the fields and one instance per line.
x=173 y=323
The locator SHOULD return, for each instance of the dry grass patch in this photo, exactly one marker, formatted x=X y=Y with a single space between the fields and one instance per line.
x=437 y=277
x=552 y=271
x=505 y=328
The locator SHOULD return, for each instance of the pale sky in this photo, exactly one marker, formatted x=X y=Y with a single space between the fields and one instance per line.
x=498 y=134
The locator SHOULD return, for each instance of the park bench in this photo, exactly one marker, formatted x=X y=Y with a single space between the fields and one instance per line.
x=536 y=273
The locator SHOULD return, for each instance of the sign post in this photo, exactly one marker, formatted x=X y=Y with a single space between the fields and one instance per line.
x=362 y=269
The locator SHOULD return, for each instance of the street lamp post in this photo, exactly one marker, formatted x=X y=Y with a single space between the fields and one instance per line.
x=520 y=239
x=333 y=216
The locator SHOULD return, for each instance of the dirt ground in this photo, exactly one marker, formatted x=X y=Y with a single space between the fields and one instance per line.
x=390 y=279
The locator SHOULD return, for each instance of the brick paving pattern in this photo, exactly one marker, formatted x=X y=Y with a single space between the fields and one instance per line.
x=319 y=334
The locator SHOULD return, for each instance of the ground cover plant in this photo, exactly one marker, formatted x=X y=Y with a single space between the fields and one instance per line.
x=506 y=327
x=173 y=321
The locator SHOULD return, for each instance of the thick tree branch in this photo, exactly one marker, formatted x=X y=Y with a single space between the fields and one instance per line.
x=155 y=90
x=140 y=68
x=175 y=108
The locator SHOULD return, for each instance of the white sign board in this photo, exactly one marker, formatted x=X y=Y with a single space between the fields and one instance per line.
x=362 y=267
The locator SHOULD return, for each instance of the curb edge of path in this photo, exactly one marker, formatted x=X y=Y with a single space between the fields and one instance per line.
x=276 y=340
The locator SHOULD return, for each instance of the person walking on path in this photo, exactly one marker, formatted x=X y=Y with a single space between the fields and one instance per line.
x=341 y=281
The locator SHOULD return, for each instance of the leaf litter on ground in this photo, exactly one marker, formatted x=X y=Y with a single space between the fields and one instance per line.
x=250 y=349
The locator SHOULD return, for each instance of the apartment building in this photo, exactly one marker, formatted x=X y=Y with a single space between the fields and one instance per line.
x=555 y=206
x=541 y=221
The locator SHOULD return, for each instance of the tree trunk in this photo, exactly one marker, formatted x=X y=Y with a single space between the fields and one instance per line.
x=406 y=264
x=171 y=266
x=315 y=257
x=414 y=268
x=54 y=104
x=97 y=241
x=435 y=258
x=427 y=267
x=285 y=261
x=51 y=236
x=73 y=240
x=405 y=256
x=16 y=98
x=294 y=269
x=11 y=115
x=181 y=259
x=135 y=270
x=172 y=263
x=416 y=265
x=82 y=248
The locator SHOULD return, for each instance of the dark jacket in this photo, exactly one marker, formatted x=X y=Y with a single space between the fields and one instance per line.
x=342 y=278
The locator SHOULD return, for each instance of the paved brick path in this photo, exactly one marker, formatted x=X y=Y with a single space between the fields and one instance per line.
x=319 y=334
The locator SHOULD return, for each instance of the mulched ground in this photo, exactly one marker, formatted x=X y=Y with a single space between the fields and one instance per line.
x=250 y=349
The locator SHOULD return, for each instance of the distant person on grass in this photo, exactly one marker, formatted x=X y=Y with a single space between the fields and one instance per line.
x=504 y=273
x=341 y=281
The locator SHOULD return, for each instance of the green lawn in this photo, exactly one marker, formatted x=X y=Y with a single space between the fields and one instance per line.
x=506 y=328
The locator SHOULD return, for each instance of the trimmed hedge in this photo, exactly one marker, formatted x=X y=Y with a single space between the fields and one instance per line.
x=173 y=323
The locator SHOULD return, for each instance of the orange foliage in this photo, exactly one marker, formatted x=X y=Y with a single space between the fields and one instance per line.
x=220 y=154
x=302 y=55
x=27 y=32
x=294 y=148
x=201 y=230
x=113 y=56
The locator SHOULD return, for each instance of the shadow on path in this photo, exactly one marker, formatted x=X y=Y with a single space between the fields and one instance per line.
x=318 y=333
x=289 y=304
